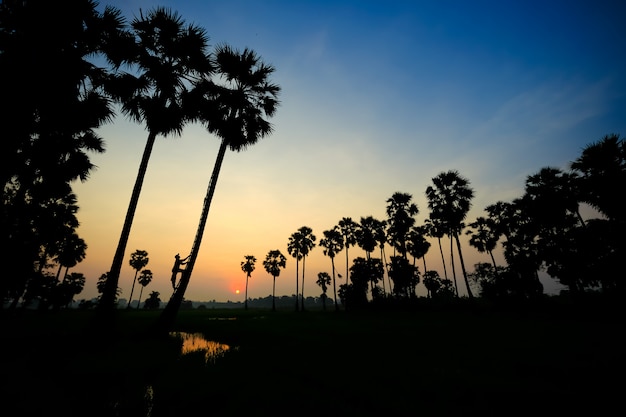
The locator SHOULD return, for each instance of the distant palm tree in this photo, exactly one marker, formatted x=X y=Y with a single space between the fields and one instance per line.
x=366 y=235
x=247 y=266
x=293 y=248
x=400 y=212
x=380 y=234
x=145 y=278
x=138 y=260
x=72 y=250
x=272 y=264
x=449 y=200
x=417 y=245
x=300 y=244
x=434 y=228
x=168 y=55
x=348 y=229
x=323 y=280
x=234 y=111
x=332 y=242
x=484 y=237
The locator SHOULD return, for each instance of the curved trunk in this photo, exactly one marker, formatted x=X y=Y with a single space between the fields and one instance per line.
x=171 y=309
x=458 y=246
x=456 y=288
x=107 y=301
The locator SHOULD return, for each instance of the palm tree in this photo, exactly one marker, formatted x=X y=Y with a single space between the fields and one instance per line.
x=272 y=264
x=417 y=245
x=235 y=112
x=400 y=211
x=247 y=266
x=484 y=237
x=169 y=54
x=323 y=280
x=145 y=278
x=449 y=200
x=293 y=248
x=366 y=235
x=332 y=242
x=348 y=229
x=300 y=244
x=434 y=228
x=138 y=260
x=71 y=251
x=380 y=234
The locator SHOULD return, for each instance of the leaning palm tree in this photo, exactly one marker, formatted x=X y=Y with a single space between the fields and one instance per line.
x=145 y=278
x=449 y=200
x=247 y=266
x=234 y=111
x=168 y=56
x=138 y=260
x=272 y=264
x=332 y=242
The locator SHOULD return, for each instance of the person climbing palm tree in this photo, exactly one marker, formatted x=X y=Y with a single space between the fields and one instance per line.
x=167 y=54
x=234 y=108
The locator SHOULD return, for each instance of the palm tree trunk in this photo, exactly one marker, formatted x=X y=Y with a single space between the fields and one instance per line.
x=107 y=301
x=297 y=288
x=273 y=295
x=139 y=301
x=171 y=309
x=456 y=288
x=443 y=259
x=132 y=289
x=302 y=289
x=332 y=261
x=246 y=300
x=458 y=246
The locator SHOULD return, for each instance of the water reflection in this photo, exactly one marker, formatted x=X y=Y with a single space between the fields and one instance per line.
x=195 y=342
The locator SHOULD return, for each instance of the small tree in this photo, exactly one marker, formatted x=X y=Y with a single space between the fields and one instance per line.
x=144 y=279
x=138 y=260
x=323 y=280
x=153 y=302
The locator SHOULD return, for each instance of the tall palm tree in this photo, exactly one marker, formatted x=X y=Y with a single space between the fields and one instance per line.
x=449 y=200
x=434 y=228
x=380 y=234
x=72 y=251
x=348 y=229
x=145 y=278
x=272 y=264
x=303 y=242
x=293 y=248
x=247 y=266
x=332 y=242
x=417 y=245
x=235 y=111
x=401 y=212
x=168 y=57
x=366 y=235
x=138 y=260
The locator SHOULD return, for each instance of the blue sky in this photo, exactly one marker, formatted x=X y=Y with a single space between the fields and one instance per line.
x=377 y=97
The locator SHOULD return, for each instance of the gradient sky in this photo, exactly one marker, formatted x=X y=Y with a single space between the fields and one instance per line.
x=377 y=98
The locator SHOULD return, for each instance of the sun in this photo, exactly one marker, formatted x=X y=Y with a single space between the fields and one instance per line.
x=236 y=291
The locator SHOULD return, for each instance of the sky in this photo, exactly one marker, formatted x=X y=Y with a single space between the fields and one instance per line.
x=376 y=98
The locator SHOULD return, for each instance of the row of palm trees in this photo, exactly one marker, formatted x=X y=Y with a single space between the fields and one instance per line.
x=543 y=229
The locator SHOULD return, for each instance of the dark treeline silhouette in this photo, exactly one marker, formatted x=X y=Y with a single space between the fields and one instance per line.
x=50 y=120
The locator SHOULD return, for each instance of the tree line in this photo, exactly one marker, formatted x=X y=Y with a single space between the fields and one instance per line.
x=541 y=230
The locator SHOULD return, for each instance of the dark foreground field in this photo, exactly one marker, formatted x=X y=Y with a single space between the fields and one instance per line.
x=459 y=361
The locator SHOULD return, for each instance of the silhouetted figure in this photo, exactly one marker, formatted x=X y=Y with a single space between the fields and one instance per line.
x=177 y=268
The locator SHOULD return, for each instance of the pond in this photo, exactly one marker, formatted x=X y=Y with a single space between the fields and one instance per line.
x=195 y=342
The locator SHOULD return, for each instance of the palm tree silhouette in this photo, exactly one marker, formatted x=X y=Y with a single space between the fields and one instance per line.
x=332 y=242
x=145 y=278
x=168 y=56
x=138 y=260
x=323 y=280
x=300 y=244
x=348 y=229
x=234 y=111
x=484 y=237
x=272 y=264
x=400 y=211
x=247 y=266
x=293 y=248
x=449 y=200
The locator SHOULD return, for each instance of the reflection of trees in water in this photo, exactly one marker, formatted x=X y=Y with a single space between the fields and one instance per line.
x=195 y=342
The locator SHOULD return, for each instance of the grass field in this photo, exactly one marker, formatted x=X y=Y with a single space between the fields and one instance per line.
x=460 y=361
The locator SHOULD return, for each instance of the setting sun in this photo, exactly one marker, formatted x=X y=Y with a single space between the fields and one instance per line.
x=236 y=291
